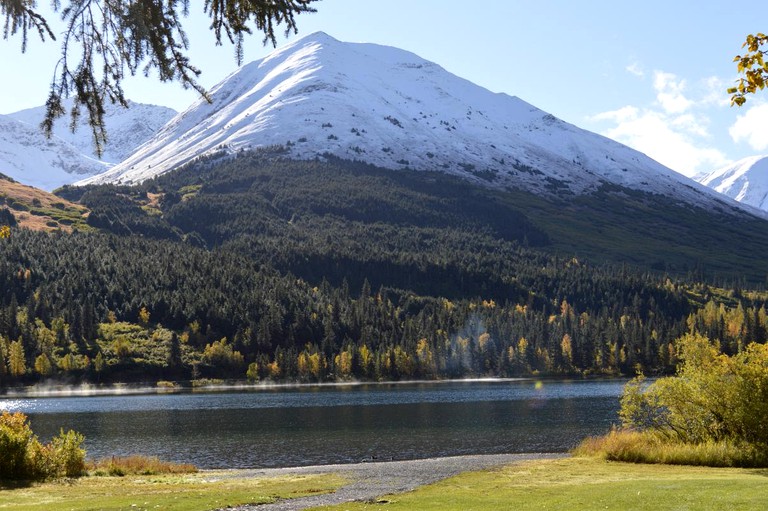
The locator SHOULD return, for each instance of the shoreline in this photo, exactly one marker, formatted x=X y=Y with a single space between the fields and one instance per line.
x=369 y=481
x=128 y=389
x=189 y=387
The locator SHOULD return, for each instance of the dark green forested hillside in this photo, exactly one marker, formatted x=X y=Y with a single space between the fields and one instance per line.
x=333 y=270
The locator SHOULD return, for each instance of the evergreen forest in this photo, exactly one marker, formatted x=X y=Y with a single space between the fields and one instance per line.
x=263 y=268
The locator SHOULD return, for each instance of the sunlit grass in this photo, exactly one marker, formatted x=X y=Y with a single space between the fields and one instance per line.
x=137 y=465
x=585 y=484
x=650 y=447
x=191 y=492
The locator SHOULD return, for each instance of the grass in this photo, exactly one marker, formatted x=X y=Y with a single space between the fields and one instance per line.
x=585 y=484
x=649 y=447
x=191 y=492
x=38 y=210
x=137 y=465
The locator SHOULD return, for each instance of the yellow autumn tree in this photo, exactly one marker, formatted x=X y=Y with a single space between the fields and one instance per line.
x=17 y=365
x=753 y=65
x=343 y=363
x=566 y=348
x=43 y=365
x=144 y=316
x=221 y=354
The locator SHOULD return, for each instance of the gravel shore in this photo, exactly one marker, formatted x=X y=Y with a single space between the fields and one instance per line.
x=369 y=481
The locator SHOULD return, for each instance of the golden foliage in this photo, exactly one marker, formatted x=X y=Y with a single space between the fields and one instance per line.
x=754 y=66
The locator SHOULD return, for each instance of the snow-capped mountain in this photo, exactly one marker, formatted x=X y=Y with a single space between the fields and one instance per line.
x=29 y=157
x=394 y=109
x=127 y=128
x=745 y=181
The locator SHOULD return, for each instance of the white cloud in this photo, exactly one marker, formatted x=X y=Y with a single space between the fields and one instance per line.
x=669 y=92
x=635 y=69
x=674 y=127
x=752 y=127
x=621 y=115
x=667 y=140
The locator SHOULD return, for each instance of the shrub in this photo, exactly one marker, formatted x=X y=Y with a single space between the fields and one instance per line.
x=69 y=454
x=16 y=442
x=23 y=457
x=712 y=397
x=714 y=412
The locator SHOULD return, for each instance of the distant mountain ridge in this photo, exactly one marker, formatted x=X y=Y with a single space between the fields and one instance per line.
x=393 y=109
x=127 y=128
x=745 y=181
x=29 y=157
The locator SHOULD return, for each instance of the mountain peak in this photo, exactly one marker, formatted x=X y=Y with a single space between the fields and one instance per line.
x=396 y=110
x=745 y=181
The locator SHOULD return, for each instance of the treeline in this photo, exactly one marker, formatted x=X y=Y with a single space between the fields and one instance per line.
x=102 y=308
x=329 y=270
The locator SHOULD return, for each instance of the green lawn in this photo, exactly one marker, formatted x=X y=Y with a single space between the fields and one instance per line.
x=565 y=484
x=191 y=492
x=586 y=484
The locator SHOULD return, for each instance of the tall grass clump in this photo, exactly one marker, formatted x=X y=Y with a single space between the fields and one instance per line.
x=138 y=465
x=713 y=412
x=24 y=458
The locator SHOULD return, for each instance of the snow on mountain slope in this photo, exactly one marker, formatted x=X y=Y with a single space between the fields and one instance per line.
x=28 y=157
x=745 y=181
x=394 y=109
x=127 y=128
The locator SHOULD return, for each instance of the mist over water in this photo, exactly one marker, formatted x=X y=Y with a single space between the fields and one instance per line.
x=288 y=426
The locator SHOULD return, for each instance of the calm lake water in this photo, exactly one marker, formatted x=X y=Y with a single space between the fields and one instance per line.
x=309 y=425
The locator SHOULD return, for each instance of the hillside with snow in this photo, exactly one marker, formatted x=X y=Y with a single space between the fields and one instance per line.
x=393 y=109
x=127 y=128
x=29 y=157
x=745 y=181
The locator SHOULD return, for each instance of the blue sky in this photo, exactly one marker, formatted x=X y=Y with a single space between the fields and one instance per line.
x=649 y=74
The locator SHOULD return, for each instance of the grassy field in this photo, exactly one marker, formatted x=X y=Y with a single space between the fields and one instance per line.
x=586 y=484
x=190 y=492
x=563 y=484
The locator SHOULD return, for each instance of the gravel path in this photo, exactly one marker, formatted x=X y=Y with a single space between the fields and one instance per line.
x=368 y=481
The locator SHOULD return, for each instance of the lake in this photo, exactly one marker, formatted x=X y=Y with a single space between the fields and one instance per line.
x=308 y=425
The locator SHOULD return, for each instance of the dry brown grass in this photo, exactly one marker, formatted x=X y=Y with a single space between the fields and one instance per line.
x=137 y=465
x=649 y=447
x=43 y=201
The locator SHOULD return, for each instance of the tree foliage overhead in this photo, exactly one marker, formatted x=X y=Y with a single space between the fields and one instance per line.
x=106 y=40
x=754 y=66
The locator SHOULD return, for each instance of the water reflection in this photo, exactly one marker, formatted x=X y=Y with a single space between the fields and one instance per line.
x=304 y=426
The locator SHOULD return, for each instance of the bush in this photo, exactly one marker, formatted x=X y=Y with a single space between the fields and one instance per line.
x=714 y=412
x=16 y=442
x=69 y=454
x=23 y=457
x=712 y=397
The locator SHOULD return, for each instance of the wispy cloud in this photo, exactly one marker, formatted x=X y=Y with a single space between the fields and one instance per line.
x=636 y=69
